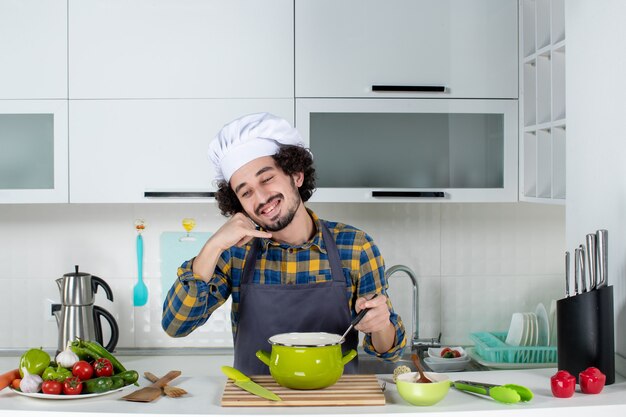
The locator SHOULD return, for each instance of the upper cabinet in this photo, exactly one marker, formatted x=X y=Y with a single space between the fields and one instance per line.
x=181 y=49
x=542 y=95
x=133 y=151
x=406 y=48
x=33 y=156
x=33 y=49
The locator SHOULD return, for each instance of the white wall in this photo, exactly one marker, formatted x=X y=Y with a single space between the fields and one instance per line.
x=477 y=263
x=596 y=138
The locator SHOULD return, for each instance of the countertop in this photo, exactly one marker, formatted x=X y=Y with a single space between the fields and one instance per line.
x=202 y=378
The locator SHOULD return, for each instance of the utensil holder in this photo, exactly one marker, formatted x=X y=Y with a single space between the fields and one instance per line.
x=585 y=333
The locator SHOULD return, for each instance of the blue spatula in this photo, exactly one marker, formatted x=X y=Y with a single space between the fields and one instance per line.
x=140 y=291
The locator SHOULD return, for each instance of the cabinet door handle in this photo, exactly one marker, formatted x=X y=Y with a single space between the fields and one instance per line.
x=419 y=194
x=179 y=194
x=410 y=88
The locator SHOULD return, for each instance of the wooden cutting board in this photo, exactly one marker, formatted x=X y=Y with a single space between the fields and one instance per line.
x=349 y=390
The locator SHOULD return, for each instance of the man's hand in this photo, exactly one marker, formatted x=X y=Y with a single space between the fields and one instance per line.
x=377 y=318
x=376 y=322
x=237 y=231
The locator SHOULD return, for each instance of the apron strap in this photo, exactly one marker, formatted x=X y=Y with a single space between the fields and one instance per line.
x=250 y=265
x=333 y=255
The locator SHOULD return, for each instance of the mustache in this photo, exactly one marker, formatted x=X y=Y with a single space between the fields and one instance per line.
x=257 y=211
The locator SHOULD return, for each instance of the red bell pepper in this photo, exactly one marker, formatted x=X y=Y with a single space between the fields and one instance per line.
x=563 y=384
x=591 y=380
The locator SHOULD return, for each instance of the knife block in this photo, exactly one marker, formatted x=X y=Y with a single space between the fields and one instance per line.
x=585 y=333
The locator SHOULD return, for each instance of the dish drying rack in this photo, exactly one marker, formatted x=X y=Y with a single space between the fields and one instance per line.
x=491 y=347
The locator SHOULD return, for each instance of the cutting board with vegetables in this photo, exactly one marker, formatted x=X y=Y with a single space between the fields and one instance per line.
x=175 y=249
x=350 y=390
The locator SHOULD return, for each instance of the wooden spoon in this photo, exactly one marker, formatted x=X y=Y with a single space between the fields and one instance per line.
x=423 y=378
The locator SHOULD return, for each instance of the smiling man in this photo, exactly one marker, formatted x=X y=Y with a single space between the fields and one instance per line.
x=286 y=269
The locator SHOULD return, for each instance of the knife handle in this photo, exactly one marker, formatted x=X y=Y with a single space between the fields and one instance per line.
x=234 y=374
x=602 y=243
x=567 y=277
x=166 y=378
x=576 y=271
x=583 y=268
x=591 y=261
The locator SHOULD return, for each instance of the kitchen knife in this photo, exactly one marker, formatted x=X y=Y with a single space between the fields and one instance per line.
x=567 y=274
x=591 y=261
x=247 y=384
x=576 y=271
x=583 y=268
x=602 y=243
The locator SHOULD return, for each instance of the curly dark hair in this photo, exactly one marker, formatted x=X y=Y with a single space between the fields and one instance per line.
x=290 y=159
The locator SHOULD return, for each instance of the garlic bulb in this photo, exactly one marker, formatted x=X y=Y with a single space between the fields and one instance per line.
x=67 y=358
x=31 y=383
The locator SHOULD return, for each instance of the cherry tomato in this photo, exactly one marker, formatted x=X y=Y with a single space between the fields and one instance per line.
x=103 y=367
x=83 y=370
x=52 y=387
x=72 y=386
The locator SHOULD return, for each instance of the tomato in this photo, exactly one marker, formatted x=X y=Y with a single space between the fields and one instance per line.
x=103 y=367
x=83 y=370
x=52 y=387
x=72 y=386
x=456 y=353
x=444 y=351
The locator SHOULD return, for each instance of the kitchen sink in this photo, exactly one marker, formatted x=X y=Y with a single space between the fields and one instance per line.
x=369 y=364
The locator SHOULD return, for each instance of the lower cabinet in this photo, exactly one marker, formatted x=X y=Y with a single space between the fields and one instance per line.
x=33 y=151
x=133 y=151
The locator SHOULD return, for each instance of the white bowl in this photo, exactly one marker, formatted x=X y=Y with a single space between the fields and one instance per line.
x=435 y=355
x=448 y=366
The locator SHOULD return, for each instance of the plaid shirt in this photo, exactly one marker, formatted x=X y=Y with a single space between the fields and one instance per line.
x=190 y=301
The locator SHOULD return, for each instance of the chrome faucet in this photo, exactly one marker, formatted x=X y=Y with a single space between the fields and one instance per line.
x=416 y=343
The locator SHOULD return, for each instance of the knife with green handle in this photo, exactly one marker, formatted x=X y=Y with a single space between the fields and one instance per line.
x=245 y=383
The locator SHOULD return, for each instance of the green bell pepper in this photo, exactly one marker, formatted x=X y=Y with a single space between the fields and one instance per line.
x=34 y=361
x=56 y=374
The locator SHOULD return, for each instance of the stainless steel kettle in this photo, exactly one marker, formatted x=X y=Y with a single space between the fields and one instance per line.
x=77 y=316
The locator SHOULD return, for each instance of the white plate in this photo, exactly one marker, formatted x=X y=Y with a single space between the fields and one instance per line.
x=448 y=366
x=435 y=354
x=543 y=324
x=552 y=317
x=516 y=330
x=43 y=396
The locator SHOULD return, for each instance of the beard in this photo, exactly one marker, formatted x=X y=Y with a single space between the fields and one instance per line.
x=279 y=222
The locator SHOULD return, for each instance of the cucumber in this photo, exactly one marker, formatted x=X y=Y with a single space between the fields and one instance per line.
x=118 y=382
x=97 y=385
x=129 y=377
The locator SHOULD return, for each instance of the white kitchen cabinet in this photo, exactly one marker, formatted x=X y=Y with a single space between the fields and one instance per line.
x=33 y=156
x=344 y=48
x=33 y=49
x=542 y=101
x=181 y=49
x=122 y=149
x=408 y=150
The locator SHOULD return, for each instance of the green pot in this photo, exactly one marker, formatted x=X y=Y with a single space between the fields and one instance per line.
x=306 y=360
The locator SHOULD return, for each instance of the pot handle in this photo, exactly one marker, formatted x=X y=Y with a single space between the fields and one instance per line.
x=264 y=357
x=347 y=357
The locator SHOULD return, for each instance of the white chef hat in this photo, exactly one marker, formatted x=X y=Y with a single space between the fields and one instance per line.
x=248 y=138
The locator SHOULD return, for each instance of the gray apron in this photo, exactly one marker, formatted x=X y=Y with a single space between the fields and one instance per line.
x=267 y=310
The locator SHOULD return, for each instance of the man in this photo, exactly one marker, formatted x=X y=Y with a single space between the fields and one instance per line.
x=286 y=270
